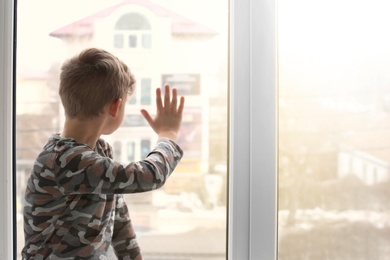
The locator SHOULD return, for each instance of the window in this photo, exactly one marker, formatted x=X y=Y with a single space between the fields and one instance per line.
x=143 y=93
x=333 y=204
x=134 y=120
x=145 y=147
x=168 y=202
x=251 y=222
x=130 y=151
x=186 y=84
x=146 y=91
x=132 y=31
x=117 y=147
x=118 y=41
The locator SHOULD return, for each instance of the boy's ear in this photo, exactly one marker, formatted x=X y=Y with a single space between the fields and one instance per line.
x=115 y=107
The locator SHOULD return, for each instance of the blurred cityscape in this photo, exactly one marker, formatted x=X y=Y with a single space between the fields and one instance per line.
x=186 y=219
x=334 y=119
x=334 y=148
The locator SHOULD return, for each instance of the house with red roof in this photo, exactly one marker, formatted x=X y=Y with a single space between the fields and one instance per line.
x=160 y=46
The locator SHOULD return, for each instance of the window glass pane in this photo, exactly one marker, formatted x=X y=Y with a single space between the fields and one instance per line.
x=133 y=98
x=145 y=148
x=133 y=120
x=130 y=151
x=133 y=41
x=146 y=91
x=186 y=84
x=334 y=61
x=118 y=40
x=133 y=21
x=117 y=150
x=147 y=41
x=186 y=218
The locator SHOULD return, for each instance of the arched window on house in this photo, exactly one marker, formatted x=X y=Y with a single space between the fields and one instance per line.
x=132 y=31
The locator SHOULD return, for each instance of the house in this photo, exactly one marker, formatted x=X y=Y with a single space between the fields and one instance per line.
x=366 y=153
x=160 y=47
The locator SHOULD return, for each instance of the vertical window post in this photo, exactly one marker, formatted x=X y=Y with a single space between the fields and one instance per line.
x=6 y=88
x=253 y=132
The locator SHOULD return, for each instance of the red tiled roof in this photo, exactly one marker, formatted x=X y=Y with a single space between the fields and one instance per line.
x=180 y=24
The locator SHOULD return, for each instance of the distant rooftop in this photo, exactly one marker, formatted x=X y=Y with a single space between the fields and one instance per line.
x=180 y=24
x=373 y=140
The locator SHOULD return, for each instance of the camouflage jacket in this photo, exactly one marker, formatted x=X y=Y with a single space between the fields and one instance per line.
x=74 y=207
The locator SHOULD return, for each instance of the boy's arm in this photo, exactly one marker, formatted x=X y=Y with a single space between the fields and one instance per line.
x=81 y=170
x=124 y=239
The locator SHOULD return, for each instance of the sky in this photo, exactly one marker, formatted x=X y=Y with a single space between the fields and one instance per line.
x=348 y=39
x=339 y=44
x=37 y=18
x=343 y=27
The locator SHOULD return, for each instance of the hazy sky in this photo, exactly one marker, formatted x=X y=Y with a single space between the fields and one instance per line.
x=37 y=18
x=327 y=44
x=341 y=27
x=348 y=38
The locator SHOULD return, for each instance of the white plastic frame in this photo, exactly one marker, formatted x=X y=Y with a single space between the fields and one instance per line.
x=6 y=78
x=252 y=214
x=252 y=229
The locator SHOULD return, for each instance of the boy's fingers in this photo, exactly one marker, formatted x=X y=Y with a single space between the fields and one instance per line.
x=181 y=106
x=147 y=116
x=158 y=99
x=174 y=100
x=167 y=97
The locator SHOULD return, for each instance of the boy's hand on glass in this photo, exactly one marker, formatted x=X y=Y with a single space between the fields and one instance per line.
x=167 y=120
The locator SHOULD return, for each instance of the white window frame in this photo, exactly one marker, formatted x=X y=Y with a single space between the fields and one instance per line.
x=252 y=217
x=6 y=153
x=138 y=35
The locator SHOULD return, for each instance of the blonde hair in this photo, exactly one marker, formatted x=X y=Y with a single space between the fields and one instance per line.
x=91 y=80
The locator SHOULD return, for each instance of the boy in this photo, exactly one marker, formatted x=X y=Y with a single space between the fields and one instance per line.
x=74 y=204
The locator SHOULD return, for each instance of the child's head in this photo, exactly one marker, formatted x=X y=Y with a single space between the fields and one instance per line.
x=91 y=80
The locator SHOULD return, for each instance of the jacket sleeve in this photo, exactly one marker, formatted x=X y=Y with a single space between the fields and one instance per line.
x=82 y=170
x=124 y=239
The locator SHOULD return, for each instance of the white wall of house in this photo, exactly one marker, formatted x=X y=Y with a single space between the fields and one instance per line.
x=369 y=169
x=169 y=54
